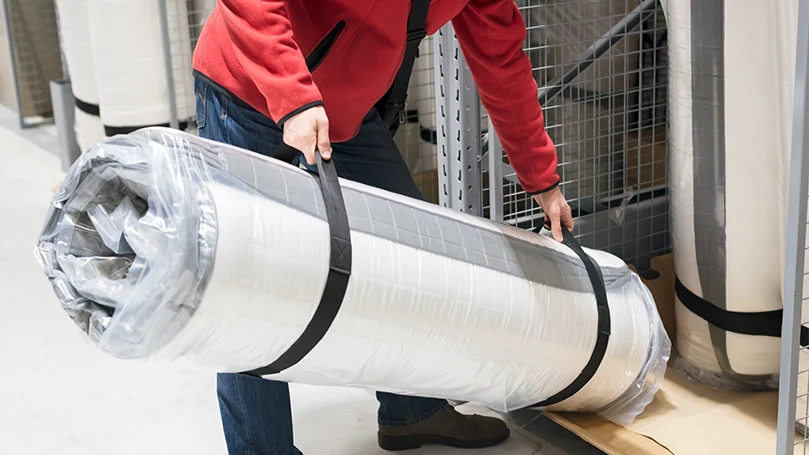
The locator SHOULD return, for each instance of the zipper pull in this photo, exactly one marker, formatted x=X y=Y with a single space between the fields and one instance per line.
x=403 y=114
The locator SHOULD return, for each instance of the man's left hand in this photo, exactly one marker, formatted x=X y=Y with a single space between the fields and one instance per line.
x=556 y=210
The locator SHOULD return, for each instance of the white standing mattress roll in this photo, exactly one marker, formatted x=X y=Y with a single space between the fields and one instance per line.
x=725 y=180
x=88 y=127
x=164 y=246
x=129 y=57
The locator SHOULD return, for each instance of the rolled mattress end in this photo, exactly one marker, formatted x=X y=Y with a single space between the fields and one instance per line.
x=642 y=391
x=131 y=213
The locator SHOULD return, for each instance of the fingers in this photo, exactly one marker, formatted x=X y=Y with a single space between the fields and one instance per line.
x=556 y=226
x=567 y=217
x=323 y=143
x=306 y=143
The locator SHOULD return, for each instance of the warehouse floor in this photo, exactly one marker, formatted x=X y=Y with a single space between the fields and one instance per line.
x=60 y=395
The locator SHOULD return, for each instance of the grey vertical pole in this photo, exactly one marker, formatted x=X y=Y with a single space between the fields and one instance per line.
x=164 y=25
x=64 y=119
x=495 y=156
x=795 y=242
x=458 y=125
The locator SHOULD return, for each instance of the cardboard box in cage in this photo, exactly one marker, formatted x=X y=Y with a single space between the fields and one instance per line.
x=645 y=153
x=428 y=184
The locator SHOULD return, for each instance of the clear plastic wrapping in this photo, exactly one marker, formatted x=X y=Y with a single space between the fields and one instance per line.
x=163 y=246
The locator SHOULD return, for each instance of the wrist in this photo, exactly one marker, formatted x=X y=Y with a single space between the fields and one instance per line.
x=548 y=189
x=298 y=111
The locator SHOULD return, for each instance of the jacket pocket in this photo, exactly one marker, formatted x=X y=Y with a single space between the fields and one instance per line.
x=318 y=54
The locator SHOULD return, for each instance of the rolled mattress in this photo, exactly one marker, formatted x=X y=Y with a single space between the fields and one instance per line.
x=164 y=246
x=729 y=279
x=129 y=55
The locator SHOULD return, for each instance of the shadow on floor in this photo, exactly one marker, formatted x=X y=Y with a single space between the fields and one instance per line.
x=549 y=437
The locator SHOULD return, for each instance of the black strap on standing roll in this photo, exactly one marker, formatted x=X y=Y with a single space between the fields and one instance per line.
x=116 y=130
x=603 y=327
x=395 y=99
x=87 y=108
x=339 y=267
x=761 y=323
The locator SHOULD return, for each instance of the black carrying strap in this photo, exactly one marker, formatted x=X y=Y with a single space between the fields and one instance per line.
x=339 y=266
x=762 y=323
x=394 y=100
x=603 y=327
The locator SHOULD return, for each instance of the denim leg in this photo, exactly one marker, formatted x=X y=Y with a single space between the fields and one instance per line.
x=256 y=414
x=371 y=158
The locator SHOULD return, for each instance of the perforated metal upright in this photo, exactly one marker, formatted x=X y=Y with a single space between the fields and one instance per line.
x=792 y=400
x=457 y=110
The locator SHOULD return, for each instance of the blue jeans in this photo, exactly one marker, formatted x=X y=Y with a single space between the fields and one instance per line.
x=256 y=413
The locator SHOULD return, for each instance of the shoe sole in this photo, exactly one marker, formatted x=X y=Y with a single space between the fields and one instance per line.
x=401 y=443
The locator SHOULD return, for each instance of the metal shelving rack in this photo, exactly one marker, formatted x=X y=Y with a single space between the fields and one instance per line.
x=457 y=108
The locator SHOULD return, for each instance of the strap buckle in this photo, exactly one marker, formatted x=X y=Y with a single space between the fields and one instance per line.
x=395 y=108
x=416 y=35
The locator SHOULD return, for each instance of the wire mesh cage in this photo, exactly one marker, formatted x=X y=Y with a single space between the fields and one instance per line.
x=36 y=59
x=600 y=66
x=601 y=69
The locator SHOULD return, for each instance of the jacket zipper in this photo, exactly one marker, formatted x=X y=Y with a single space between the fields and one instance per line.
x=318 y=54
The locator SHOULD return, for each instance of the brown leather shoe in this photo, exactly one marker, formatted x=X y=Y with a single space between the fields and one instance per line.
x=449 y=428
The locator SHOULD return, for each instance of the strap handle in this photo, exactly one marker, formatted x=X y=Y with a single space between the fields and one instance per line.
x=603 y=308
x=397 y=95
x=339 y=266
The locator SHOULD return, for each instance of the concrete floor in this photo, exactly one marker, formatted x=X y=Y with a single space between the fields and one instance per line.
x=59 y=395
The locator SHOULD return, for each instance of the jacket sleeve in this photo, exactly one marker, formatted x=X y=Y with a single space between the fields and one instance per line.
x=262 y=39
x=491 y=34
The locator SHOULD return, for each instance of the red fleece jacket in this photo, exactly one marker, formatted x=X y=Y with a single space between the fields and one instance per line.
x=284 y=56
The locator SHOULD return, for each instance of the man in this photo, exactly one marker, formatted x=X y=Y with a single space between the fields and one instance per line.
x=309 y=73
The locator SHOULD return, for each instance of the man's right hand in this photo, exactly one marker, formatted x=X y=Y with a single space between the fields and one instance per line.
x=308 y=131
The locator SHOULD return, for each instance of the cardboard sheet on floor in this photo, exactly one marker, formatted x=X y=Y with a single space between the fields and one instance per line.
x=685 y=418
